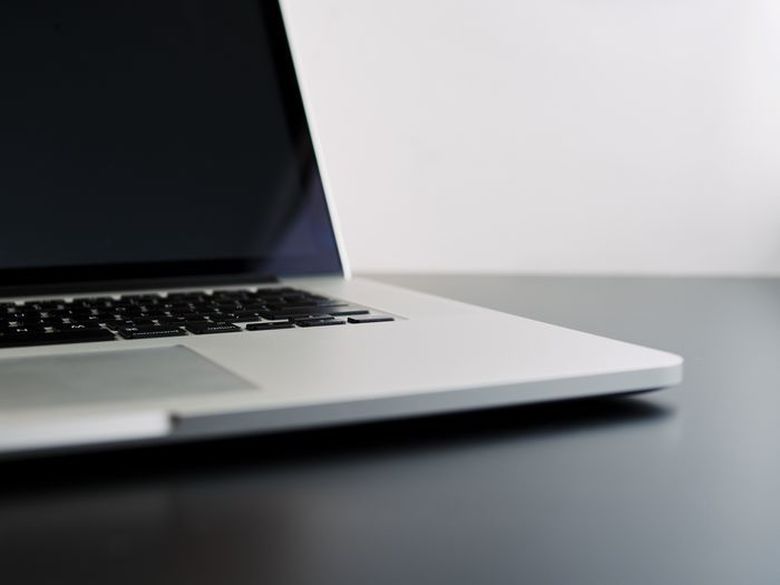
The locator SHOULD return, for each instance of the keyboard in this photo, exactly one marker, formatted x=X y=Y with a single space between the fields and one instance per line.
x=147 y=316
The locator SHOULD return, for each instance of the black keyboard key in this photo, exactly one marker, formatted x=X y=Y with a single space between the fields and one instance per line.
x=77 y=327
x=285 y=316
x=22 y=329
x=26 y=315
x=129 y=310
x=141 y=298
x=74 y=324
x=156 y=315
x=272 y=292
x=244 y=317
x=319 y=322
x=172 y=321
x=43 y=305
x=214 y=317
x=118 y=324
x=330 y=303
x=222 y=295
x=10 y=339
x=297 y=313
x=276 y=306
x=187 y=296
x=94 y=300
x=177 y=307
x=348 y=311
x=190 y=316
x=268 y=326
x=89 y=317
x=150 y=331
x=370 y=319
x=208 y=327
x=95 y=303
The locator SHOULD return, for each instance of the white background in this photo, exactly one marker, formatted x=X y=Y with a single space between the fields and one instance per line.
x=611 y=136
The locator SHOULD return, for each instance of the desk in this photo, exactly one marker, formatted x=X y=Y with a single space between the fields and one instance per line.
x=679 y=486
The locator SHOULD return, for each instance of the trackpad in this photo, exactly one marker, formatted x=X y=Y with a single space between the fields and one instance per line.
x=110 y=376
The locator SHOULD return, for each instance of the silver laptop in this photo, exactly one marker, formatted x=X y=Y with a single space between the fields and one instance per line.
x=170 y=264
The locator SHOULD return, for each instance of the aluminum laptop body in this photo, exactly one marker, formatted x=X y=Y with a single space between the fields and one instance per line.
x=170 y=266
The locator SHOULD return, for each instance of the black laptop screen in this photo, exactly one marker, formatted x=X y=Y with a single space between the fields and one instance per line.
x=140 y=138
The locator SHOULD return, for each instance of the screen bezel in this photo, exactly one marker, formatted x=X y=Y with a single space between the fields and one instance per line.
x=38 y=280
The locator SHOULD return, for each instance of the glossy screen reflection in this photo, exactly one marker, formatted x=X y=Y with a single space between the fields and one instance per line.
x=155 y=131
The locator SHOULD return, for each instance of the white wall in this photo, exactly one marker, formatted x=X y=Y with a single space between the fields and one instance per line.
x=549 y=135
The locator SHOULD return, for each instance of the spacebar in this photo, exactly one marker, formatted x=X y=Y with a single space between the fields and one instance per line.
x=26 y=339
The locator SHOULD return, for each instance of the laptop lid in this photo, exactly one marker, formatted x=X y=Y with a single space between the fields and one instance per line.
x=147 y=142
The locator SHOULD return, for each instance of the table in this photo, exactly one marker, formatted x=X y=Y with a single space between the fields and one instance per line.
x=678 y=486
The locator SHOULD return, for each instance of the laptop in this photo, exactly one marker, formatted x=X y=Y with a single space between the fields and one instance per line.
x=170 y=261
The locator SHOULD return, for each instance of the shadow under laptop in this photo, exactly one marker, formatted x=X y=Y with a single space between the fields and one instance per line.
x=336 y=446
x=281 y=508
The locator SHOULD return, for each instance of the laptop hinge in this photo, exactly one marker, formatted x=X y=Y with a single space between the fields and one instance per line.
x=133 y=284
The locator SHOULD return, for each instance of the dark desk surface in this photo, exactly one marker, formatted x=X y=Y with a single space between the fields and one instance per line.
x=681 y=486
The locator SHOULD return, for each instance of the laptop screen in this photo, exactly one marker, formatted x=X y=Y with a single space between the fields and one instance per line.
x=147 y=138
